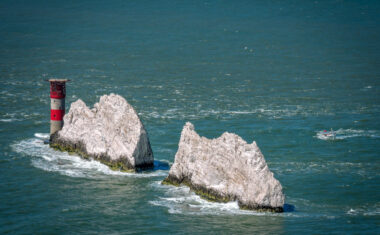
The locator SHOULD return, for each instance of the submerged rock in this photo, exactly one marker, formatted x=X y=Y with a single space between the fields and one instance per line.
x=225 y=169
x=111 y=132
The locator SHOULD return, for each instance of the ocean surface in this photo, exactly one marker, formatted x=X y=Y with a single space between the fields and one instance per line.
x=275 y=72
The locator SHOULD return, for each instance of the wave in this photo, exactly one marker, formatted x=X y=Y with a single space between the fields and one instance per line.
x=48 y=159
x=181 y=200
x=374 y=211
x=44 y=136
x=367 y=170
x=19 y=116
x=9 y=120
x=185 y=114
x=342 y=134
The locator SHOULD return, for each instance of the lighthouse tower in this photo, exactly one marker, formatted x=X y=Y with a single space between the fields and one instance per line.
x=57 y=104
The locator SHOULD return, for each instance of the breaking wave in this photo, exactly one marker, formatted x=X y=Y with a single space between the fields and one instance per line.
x=44 y=136
x=342 y=134
x=180 y=200
x=364 y=211
x=48 y=159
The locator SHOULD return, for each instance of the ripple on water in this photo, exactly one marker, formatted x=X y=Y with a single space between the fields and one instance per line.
x=264 y=111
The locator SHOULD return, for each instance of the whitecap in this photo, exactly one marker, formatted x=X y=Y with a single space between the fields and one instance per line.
x=9 y=120
x=42 y=135
x=366 y=210
x=342 y=134
x=351 y=212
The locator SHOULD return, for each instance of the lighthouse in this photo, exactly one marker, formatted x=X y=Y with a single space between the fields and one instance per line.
x=57 y=104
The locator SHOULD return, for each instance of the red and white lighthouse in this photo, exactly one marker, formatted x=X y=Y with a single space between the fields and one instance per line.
x=57 y=103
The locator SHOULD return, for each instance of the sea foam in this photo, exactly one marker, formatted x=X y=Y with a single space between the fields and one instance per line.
x=181 y=200
x=48 y=159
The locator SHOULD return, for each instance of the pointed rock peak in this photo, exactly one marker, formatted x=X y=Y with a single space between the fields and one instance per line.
x=188 y=126
x=78 y=103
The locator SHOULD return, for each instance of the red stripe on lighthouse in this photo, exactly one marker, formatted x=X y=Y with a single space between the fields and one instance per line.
x=56 y=114
x=57 y=95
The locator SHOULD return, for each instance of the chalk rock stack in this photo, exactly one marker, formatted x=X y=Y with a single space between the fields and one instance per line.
x=111 y=132
x=225 y=169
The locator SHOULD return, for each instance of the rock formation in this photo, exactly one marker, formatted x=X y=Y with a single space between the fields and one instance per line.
x=111 y=132
x=225 y=169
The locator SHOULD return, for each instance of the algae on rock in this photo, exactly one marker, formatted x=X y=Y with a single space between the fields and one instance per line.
x=111 y=133
x=225 y=169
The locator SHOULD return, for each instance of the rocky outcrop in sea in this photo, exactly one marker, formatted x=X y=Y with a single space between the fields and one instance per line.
x=225 y=169
x=111 y=132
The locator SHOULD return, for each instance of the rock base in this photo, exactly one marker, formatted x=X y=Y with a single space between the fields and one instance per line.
x=214 y=196
x=79 y=148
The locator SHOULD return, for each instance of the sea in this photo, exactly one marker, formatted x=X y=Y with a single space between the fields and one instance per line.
x=301 y=78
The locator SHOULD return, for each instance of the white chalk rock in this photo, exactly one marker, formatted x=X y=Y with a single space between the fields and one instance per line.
x=225 y=169
x=110 y=132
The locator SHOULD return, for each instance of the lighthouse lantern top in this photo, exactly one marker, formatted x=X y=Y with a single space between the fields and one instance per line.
x=58 y=88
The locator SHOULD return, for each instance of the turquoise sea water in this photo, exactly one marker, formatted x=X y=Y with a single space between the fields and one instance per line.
x=277 y=72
